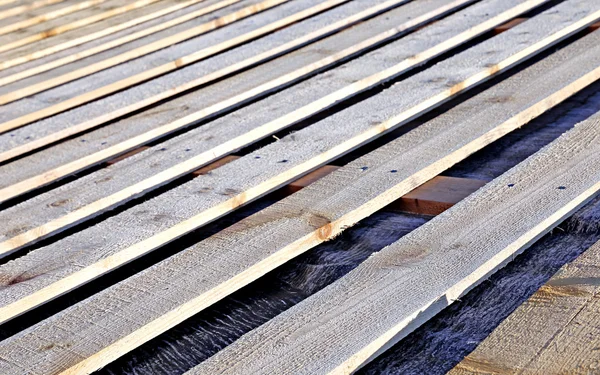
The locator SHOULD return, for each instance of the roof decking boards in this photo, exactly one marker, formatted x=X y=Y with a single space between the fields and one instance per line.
x=320 y=65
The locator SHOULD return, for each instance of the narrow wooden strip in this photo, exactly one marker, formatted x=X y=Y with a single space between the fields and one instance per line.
x=126 y=155
x=126 y=56
x=555 y=331
x=464 y=34
x=315 y=214
x=34 y=55
x=24 y=8
x=342 y=327
x=75 y=25
x=214 y=165
x=207 y=78
x=228 y=139
x=115 y=321
x=77 y=6
x=595 y=26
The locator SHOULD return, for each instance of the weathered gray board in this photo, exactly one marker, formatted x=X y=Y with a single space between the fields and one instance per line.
x=160 y=220
x=72 y=21
x=145 y=21
x=341 y=327
x=94 y=114
x=150 y=60
x=32 y=17
x=198 y=150
x=556 y=331
x=132 y=312
x=137 y=57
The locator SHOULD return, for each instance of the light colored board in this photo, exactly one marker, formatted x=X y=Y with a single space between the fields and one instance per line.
x=219 y=97
x=288 y=228
x=340 y=328
x=556 y=331
x=124 y=316
x=119 y=59
x=27 y=19
x=77 y=20
x=9 y=12
x=40 y=217
x=43 y=135
x=31 y=54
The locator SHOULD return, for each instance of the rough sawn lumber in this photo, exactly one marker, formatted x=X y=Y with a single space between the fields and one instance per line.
x=556 y=331
x=115 y=321
x=343 y=326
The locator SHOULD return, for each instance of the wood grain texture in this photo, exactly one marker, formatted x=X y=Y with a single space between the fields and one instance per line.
x=96 y=14
x=22 y=55
x=556 y=331
x=30 y=18
x=115 y=321
x=124 y=57
x=345 y=325
x=26 y=144
x=222 y=139
x=9 y=12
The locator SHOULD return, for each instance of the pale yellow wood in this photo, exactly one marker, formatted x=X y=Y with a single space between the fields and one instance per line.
x=350 y=322
x=135 y=53
x=24 y=8
x=556 y=331
x=256 y=133
x=48 y=16
x=75 y=25
x=136 y=310
x=468 y=137
x=183 y=61
x=96 y=35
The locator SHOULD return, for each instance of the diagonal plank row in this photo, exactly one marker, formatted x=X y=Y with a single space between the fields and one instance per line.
x=555 y=331
x=276 y=113
x=60 y=267
x=9 y=96
x=115 y=321
x=206 y=72
x=147 y=60
x=343 y=326
x=286 y=36
x=9 y=11
x=26 y=19
x=77 y=20
x=68 y=41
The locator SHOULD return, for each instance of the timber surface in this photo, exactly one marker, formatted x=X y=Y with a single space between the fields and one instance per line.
x=219 y=265
x=127 y=179
x=557 y=330
x=402 y=286
x=162 y=219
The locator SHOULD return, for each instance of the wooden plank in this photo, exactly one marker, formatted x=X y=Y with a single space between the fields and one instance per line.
x=219 y=163
x=5 y=13
x=79 y=55
x=105 y=326
x=226 y=135
x=124 y=57
x=124 y=316
x=267 y=80
x=555 y=331
x=343 y=326
x=151 y=73
x=80 y=22
x=28 y=20
x=126 y=155
x=28 y=146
